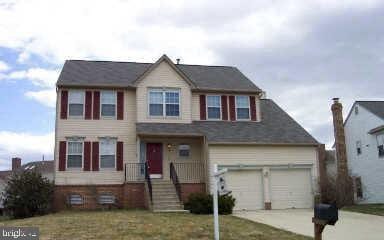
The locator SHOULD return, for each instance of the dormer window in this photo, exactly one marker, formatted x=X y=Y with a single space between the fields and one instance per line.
x=108 y=104
x=242 y=107
x=164 y=103
x=213 y=107
x=76 y=103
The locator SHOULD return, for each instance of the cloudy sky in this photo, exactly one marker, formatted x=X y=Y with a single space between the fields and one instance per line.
x=302 y=53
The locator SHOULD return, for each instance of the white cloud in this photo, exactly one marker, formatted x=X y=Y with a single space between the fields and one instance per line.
x=116 y=30
x=4 y=66
x=38 y=76
x=45 y=97
x=29 y=147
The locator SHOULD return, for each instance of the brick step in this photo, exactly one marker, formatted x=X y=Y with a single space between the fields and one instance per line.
x=154 y=190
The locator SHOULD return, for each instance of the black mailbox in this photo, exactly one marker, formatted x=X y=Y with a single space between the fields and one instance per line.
x=327 y=213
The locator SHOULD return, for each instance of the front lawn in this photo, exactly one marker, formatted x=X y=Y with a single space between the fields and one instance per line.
x=137 y=224
x=375 y=209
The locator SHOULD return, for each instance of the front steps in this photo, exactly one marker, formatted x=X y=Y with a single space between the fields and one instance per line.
x=164 y=197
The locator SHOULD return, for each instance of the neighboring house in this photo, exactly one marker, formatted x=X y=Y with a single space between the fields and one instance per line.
x=114 y=117
x=364 y=134
x=46 y=168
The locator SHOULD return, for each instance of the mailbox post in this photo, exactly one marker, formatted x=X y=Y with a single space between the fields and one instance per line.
x=324 y=214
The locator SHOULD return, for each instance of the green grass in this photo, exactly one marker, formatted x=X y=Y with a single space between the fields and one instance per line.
x=375 y=209
x=139 y=224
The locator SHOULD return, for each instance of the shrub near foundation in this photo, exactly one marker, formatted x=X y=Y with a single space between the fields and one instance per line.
x=201 y=203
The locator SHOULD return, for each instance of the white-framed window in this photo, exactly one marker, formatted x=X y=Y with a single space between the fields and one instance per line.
x=380 y=144
x=108 y=103
x=75 y=199
x=107 y=152
x=107 y=198
x=358 y=147
x=76 y=103
x=75 y=154
x=213 y=107
x=184 y=150
x=164 y=103
x=242 y=108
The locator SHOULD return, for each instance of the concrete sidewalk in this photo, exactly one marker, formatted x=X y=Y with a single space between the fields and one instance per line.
x=351 y=226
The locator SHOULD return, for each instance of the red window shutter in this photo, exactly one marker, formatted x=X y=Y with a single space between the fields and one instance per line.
x=95 y=156
x=62 y=155
x=224 y=108
x=87 y=156
x=64 y=104
x=96 y=105
x=120 y=105
x=88 y=105
x=119 y=156
x=252 y=105
x=232 y=106
x=203 y=110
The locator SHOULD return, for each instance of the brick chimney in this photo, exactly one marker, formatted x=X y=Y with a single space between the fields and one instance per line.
x=343 y=180
x=16 y=163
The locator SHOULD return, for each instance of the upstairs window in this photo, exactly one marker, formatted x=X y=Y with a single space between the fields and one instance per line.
x=107 y=153
x=75 y=154
x=108 y=103
x=242 y=107
x=164 y=103
x=380 y=144
x=358 y=147
x=213 y=107
x=76 y=103
x=172 y=103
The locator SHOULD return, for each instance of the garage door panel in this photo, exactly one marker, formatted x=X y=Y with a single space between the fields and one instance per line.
x=291 y=189
x=246 y=187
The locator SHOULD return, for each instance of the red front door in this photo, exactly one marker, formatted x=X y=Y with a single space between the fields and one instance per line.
x=155 y=158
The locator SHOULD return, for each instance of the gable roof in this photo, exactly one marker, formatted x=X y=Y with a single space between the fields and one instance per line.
x=375 y=107
x=277 y=127
x=81 y=73
x=166 y=59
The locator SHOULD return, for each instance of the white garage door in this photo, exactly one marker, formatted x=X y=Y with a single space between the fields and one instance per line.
x=291 y=188
x=246 y=187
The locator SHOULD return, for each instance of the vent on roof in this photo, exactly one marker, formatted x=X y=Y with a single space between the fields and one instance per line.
x=177 y=60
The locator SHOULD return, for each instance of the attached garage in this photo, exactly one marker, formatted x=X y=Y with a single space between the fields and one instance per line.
x=247 y=188
x=264 y=177
x=291 y=188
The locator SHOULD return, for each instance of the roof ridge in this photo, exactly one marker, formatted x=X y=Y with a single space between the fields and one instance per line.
x=369 y=101
x=111 y=61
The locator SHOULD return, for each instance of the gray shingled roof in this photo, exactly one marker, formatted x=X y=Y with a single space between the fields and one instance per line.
x=123 y=74
x=276 y=127
x=40 y=166
x=376 y=107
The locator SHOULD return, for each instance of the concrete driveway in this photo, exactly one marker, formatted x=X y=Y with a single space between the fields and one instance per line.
x=350 y=225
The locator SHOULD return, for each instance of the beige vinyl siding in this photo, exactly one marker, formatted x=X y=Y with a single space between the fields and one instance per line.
x=196 y=104
x=163 y=76
x=172 y=155
x=264 y=155
x=124 y=130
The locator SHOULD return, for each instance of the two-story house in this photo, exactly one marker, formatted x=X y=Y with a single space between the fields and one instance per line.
x=364 y=135
x=148 y=135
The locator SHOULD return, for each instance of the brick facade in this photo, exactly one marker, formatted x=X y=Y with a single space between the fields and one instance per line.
x=128 y=196
x=188 y=188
